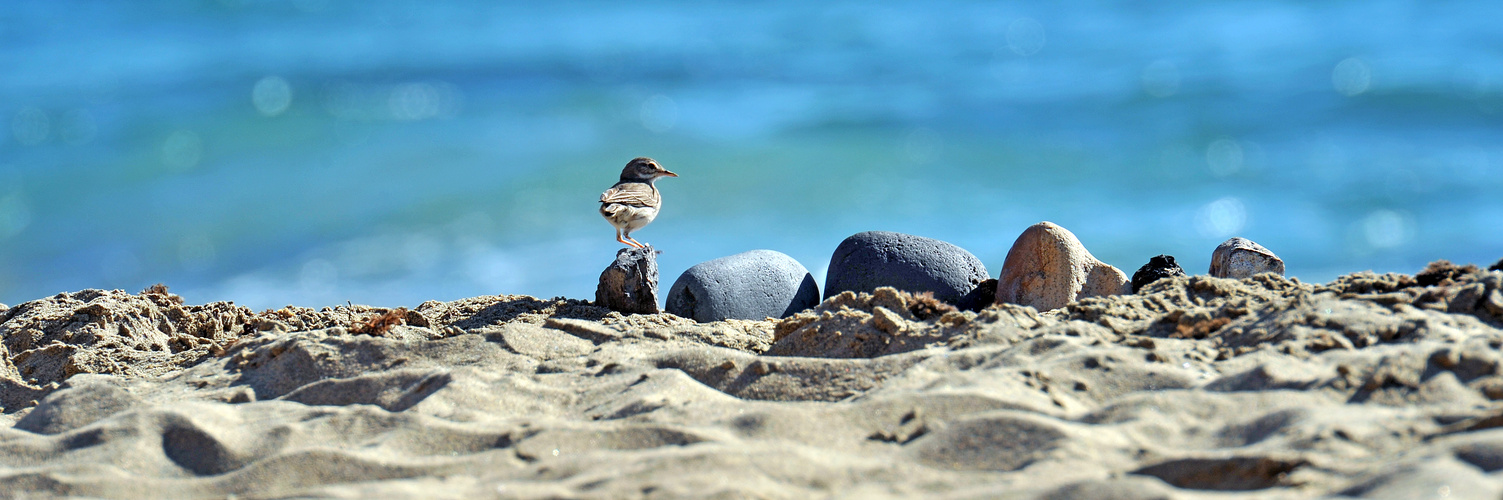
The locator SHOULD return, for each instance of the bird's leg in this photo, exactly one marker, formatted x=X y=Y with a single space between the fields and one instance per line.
x=624 y=242
x=633 y=240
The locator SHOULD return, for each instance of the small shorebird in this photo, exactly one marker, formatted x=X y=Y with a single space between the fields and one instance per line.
x=634 y=200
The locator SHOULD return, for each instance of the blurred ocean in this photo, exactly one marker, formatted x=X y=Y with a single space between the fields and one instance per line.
x=314 y=152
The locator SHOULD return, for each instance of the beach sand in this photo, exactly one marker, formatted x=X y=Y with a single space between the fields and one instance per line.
x=1378 y=386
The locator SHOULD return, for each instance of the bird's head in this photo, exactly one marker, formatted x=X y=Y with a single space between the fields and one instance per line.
x=644 y=169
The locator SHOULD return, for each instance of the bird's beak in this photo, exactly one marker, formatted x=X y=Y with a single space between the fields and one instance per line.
x=665 y=173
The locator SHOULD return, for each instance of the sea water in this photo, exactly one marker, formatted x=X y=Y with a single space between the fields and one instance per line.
x=315 y=152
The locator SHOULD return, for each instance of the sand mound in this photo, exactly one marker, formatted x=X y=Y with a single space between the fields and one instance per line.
x=1372 y=385
x=95 y=331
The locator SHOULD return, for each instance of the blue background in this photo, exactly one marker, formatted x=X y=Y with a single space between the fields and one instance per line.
x=313 y=152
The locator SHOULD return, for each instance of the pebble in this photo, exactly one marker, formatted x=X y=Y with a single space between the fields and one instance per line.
x=630 y=284
x=1239 y=258
x=872 y=259
x=1048 y=268
x=1161 y=266
x=752 y=285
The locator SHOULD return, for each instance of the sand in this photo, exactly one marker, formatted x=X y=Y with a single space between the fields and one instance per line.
x=1378 y=386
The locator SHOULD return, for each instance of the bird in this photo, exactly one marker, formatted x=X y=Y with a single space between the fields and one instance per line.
x=634 y=201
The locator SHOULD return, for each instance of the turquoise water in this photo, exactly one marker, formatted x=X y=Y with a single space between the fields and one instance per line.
x=315 y=152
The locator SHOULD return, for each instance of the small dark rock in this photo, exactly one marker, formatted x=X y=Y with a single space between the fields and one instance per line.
x=872 y=259
x=1497 y=266
x=751 y=285
x=630 y=284
x=1158 y=267
x=984 y=295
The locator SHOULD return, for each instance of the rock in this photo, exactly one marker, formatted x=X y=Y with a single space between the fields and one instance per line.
x=1048 y=268
x=984 y=295
x=1497 y=266
x=872 y=259
x=750 y=285
x=1239 y=258
x=1161 y=266
x=630 y=284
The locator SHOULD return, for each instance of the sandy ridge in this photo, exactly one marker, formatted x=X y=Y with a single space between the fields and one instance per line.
x=1373 y=385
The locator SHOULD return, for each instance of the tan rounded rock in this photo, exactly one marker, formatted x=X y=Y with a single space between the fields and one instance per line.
x=1239 y=258
x=1048 y=268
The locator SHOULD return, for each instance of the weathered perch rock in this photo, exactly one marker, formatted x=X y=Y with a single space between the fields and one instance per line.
x=630 y=284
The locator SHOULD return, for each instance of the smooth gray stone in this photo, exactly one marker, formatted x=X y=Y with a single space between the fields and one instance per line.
x=866 y=261
x=750 y=285
x=630 y=284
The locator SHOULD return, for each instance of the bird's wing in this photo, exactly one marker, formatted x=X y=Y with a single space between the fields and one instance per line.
x=630 y=193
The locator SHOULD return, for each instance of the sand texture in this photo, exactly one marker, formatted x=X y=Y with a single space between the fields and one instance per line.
x=1376 y=386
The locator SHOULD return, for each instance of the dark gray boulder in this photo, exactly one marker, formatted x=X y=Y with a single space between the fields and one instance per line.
x=630 y=284
x=916 y=264
x=750 y=285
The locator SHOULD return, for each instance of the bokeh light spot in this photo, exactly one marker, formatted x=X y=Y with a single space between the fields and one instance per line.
x=271 y=95
x=1352 y=76
x=1222 y=218
x=1025 y=36
x=414 y=101
x=1387 y=229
